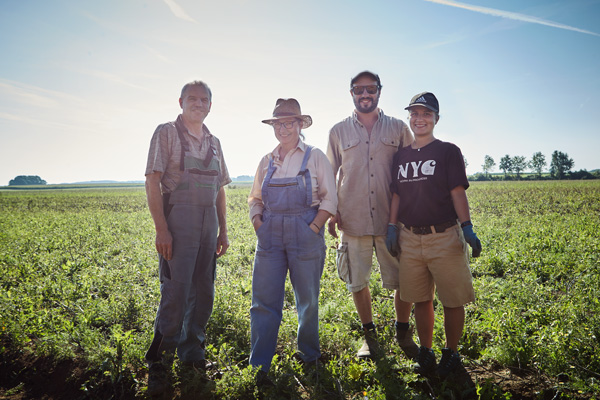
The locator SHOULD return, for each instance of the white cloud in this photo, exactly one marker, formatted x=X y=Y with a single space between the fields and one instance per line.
x=107 y=76
x=158 y=54
x=510 y=15
x=11 y=117
x=46 y=109
x=32 y=95
x=178 y=11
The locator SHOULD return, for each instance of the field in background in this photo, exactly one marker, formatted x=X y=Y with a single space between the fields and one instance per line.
x=79 y=290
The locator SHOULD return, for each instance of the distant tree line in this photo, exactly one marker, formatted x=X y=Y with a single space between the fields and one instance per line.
x=243 y=178
x=26 y=180
x=512 y=167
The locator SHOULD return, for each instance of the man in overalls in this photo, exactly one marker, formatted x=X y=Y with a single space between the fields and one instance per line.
x=185 y=179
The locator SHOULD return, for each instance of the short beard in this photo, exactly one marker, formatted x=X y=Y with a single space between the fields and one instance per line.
x=361 y=109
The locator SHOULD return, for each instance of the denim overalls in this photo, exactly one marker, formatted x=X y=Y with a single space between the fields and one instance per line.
x=187 y=280
x=286 y=242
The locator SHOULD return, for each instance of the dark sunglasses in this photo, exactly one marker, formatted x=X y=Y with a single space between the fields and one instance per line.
x=358 y=90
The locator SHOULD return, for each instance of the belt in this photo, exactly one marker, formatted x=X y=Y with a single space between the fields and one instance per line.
x=426 y=230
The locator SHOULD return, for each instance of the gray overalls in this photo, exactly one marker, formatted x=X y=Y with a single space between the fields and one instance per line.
x=286 y=242
x=187 y=280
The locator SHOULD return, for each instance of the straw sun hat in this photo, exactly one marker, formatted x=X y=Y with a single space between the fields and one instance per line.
x=285 y=108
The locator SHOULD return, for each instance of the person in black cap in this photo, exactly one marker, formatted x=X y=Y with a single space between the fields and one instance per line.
x=360 y=149
x=429 y=200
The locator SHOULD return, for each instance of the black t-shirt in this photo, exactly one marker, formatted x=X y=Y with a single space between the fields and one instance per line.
x=423 y=178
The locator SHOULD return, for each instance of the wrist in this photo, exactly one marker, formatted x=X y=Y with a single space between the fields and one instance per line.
x=315 y=225
x=161 y=228
x=466 y=223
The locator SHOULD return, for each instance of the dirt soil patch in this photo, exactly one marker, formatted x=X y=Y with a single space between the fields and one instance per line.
x=26 y=376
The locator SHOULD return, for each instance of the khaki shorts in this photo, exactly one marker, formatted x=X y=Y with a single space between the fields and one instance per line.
x=355 y=261
x=435 y=260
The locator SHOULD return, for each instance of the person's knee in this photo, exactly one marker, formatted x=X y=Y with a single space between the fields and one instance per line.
x=362 y=294
x=454 y=311
x=424 y=304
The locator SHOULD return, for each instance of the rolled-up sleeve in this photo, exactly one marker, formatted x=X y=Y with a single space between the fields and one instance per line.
x=158 y=155
x=255 y=198
x=327 y=189
x=333 y=151
x=225 y=178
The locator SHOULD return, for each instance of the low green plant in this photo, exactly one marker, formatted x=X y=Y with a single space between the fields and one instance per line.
x=79 y=281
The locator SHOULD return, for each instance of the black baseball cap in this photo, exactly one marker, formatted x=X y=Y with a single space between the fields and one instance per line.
x=425 y=99
x=368 y=74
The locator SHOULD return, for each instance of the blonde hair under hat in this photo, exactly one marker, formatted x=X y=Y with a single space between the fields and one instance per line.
x=286 y=108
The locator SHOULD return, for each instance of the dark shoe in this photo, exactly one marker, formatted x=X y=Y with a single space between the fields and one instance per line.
x=312 y=369
x=200 y=365
x=404 y=337
x=370 y=347
x=158 y=379
x=450 y=364
x=425 y=361
x=263 y=380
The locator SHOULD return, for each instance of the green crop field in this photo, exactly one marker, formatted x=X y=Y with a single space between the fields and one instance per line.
x=79 y=289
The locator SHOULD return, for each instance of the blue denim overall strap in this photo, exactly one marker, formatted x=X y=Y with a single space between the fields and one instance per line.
x=297 y=190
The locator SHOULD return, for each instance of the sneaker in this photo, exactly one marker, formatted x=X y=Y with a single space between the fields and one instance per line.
x=425 y=361
x=370 y=346
x=450 y=364
x=404 y=337
x=158 y=380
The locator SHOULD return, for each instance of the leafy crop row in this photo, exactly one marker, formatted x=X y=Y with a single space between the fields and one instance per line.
x=78 y=281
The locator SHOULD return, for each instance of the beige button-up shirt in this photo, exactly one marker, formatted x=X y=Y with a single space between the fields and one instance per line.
x=363 y=166
x=322 y=180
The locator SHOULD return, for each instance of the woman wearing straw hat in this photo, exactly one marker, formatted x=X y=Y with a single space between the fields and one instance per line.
x=292 y=197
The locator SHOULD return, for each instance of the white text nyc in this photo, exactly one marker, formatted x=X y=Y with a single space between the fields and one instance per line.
x=426 y=168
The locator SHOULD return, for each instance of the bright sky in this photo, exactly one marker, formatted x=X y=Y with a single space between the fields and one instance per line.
x=83 y=84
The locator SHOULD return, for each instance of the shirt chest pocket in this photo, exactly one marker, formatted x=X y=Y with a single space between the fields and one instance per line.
x=349 y=143
x=390 y=141
x=351 y=157
x=389 y=146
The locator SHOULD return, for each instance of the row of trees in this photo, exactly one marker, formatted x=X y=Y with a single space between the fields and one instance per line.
x=559 y=165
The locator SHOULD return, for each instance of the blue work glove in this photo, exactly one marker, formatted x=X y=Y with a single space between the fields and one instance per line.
x=391 y=240
x=471 y=238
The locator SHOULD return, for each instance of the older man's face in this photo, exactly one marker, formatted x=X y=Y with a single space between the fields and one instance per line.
x=195 y=103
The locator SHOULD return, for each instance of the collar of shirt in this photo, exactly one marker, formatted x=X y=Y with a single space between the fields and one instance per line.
x=205 y=129
x=275 y=153
x=355 y=116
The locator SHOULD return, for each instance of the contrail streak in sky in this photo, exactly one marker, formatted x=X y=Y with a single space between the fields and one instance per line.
x=178 y=11
x=510 y=15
